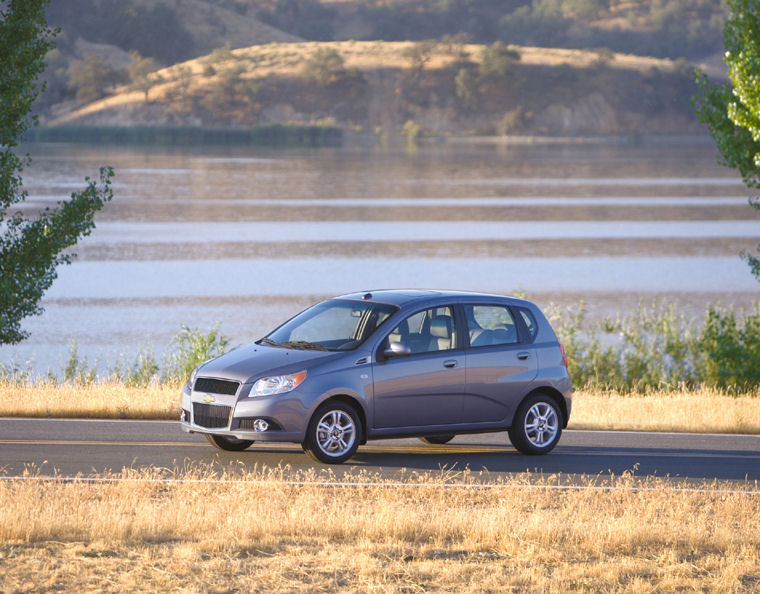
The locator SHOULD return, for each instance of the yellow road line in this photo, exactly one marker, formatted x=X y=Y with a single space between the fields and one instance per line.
x=111 y=443
x=409 y=449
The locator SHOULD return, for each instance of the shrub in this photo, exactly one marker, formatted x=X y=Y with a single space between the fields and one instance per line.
x=323 y=67
x=188 y=349
x=656 y=348
x=730 y=349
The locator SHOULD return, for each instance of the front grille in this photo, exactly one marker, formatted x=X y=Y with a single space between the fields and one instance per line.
x=216 y=386
x=211 y=416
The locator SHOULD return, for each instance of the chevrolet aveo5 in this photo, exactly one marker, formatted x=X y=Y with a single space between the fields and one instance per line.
x=429 y=364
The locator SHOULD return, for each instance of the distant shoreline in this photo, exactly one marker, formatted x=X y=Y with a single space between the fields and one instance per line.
x=316 y=135
x=266 y=135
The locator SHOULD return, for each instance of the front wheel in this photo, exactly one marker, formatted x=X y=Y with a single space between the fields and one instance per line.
x=537 y=426
x=334 y=433
x=230 y=444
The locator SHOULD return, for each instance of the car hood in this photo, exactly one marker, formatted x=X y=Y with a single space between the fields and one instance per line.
x=254 y=361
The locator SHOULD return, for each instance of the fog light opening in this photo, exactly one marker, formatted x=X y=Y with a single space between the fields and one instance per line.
x=260 y=425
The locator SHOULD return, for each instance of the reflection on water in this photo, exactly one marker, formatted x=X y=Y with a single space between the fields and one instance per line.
x=410 y=231
x=249 y=237
x=324 y=276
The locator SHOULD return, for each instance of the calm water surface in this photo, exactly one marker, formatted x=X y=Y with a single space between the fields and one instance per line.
x=247 y=237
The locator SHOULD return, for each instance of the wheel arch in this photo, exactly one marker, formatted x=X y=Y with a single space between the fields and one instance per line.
x=356 y=405
x=555 y=395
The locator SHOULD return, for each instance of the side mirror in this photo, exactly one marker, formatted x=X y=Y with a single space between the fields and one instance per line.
x=397 y=349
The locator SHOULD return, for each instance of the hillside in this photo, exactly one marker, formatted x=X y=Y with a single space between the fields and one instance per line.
x=167 y=30
x=453 y=66
x=378 y=87
x=691 y=29
x=174 y=30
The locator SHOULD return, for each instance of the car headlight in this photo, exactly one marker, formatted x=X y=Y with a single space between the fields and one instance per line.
x=279 y=384
x=193 y=375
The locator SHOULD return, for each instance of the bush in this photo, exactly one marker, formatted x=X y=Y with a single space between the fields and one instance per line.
x=730 y=349
x=655 y=348
x=323 y=67
x=188 y=349
x=497 y=60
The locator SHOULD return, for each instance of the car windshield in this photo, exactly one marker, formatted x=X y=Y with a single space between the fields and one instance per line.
x=334 y=325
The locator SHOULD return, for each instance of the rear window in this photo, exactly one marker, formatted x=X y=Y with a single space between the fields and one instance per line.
x=490 y=325
x=530 y=323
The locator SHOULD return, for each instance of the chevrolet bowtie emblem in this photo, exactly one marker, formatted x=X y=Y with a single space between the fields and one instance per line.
x=208 y=398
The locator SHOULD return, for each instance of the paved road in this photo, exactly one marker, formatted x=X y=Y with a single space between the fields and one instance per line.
x=87 y=446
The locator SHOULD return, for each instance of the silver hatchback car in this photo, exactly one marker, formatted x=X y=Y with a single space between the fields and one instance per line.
x=382 y=364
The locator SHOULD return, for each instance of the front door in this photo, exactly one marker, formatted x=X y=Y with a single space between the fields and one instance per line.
x=425 y=387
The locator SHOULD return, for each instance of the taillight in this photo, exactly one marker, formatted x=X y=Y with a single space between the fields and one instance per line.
x=564 y=356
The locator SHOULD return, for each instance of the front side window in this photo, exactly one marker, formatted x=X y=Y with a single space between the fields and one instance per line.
x=490 y=325
x=427 y=331
x=334 y=325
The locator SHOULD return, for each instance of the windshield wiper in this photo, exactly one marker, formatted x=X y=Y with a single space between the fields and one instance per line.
x=304 y=345
x=269 y=341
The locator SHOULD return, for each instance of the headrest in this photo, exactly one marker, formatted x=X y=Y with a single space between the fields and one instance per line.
x=402 y=328
x=440 y=327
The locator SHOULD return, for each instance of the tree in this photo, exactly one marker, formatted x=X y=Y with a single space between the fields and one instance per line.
x=419 y=54
x=323 y=66
x=140 y=71
x=232 y=97
x=31 y=247
x=732 y=110
x=466 y=88
x=90 y=77
x=497 y=60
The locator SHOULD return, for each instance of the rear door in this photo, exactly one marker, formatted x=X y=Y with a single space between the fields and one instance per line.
x=501 y=363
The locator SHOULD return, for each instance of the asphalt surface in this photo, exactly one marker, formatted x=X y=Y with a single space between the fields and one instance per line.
x=71 y=447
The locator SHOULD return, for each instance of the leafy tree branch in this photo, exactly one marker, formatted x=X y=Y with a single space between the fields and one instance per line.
x=732 y=111
x=31 y=246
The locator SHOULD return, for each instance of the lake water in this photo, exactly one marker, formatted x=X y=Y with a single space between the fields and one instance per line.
x=248 y=237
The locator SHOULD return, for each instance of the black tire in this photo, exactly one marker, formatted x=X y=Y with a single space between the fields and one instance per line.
x=334 y=433
x=229 y=444
x=537 y=425
x=437 y=439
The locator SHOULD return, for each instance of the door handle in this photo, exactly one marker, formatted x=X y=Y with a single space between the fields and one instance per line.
x=450 y=363
x=523 y=356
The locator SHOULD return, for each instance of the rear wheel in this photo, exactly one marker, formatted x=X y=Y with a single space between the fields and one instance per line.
x=437 y=439
x=334 y=433
x=230 y=444
x=537 y=426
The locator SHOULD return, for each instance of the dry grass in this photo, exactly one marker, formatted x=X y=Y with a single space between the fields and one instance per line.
x=697 y=411
x=101 y=400
x=701 y=411
x=254 y=532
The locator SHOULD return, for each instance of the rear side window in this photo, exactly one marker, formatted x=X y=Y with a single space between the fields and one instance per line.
x=530 y=323
x=490 y=325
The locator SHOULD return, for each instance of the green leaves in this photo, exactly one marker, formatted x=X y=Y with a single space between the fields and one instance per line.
x=189 y=348
x=732 y=112
x=24 y=41
x=31 y=248
x=656 y=348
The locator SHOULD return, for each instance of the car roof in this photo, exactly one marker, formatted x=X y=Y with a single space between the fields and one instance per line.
x=403 y=297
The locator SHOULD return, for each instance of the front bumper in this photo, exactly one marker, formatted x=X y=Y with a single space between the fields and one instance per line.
x=234 y=416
